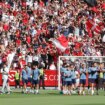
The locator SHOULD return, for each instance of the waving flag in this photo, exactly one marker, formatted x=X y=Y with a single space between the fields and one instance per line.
x=93 y=26
x=61 y=43
x=103 y=6
x=10 y=58
x=89 y=25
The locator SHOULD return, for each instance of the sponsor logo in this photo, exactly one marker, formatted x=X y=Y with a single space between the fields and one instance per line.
x=11 y=76
x=51 y=77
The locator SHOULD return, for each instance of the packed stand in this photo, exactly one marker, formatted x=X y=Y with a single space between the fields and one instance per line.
x=30 y=28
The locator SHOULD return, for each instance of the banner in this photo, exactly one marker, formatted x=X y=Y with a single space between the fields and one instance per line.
x=51 y=78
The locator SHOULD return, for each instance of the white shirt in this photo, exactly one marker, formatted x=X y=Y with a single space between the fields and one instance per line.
x=52 y=67
x=10 y=58
x=36 y=58
x=5 y=73
x=76 y=32
x=77 y=79
x=29 y=58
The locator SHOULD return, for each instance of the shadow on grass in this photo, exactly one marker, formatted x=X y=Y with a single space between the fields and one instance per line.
x=53 y=93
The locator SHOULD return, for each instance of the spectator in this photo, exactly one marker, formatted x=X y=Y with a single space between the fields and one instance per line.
x=28 y=26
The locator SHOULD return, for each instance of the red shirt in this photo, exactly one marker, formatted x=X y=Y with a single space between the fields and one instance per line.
x=6 y=27
x=23 y=4
x=79 y=53
x=18 y=34
x=28 y=39
x=78 y=45
x=25 y=21
x=39 y=32
x=41 y=4
x=65 y=0
x=15 y=13
x=67 y=51
x=19 y=54
x=22 y=62
x=18 y=41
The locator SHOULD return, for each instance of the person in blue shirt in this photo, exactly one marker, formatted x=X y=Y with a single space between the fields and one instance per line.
x=89 y=79
x=93 y=70
x=103 y=70
x=35 y=78
x=24 y=79
x=83 y=72
x=104 y=77
x=29 y=74
x=63 y=86
x=68 y=80
x=100 y=78
x=73 y=77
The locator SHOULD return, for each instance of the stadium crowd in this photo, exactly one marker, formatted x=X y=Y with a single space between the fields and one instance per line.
x=39 y=31
x=79 y=73
x=30 y=27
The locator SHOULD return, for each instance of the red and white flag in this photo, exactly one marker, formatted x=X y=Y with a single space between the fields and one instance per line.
x=94 y=26
x=61 y=43
x=97 y=30
x=89 y=25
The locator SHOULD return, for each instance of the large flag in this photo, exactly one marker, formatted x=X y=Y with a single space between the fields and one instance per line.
x=91 y=3
x=97 y=30
x=93 y=26
x=10 y=58
x=61 y=43
x=89 y=25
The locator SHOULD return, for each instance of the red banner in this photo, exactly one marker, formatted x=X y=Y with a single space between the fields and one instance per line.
x=51 y=78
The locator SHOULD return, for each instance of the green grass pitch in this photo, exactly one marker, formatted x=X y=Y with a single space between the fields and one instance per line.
x=50 y=97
